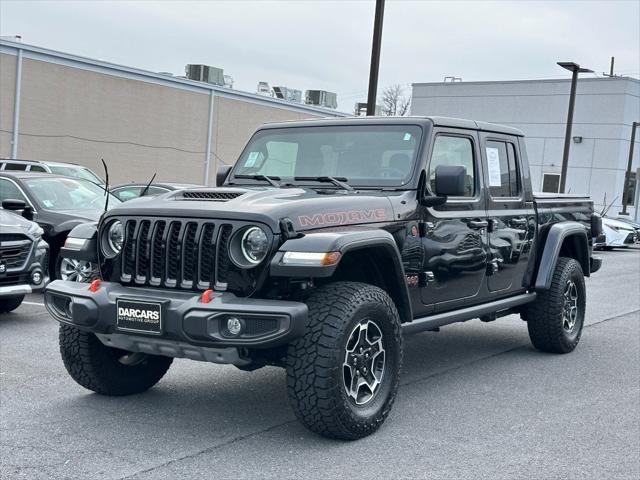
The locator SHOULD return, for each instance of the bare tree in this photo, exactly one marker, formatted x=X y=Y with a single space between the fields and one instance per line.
x=394 y=102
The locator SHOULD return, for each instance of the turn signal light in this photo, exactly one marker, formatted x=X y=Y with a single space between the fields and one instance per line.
x=311 y=258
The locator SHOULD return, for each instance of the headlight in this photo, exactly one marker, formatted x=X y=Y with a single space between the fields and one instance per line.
x=35 y=230
x=112 y=239
x=249 y=247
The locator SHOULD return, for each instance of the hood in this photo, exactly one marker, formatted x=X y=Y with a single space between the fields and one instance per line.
x=90 y=215
x=307 y=208
x=13 y=223
x=611 y=222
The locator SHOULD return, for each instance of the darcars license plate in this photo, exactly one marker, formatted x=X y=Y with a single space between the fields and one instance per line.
x=138 y=316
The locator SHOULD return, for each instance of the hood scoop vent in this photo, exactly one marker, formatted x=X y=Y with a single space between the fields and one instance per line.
x=209 y=195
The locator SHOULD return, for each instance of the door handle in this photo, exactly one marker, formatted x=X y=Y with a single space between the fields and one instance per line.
x=477 y=224
x=518 y=222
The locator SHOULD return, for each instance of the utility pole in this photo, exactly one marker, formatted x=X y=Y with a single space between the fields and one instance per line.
x=375 y=58
x=627 y=175
x=575 y=69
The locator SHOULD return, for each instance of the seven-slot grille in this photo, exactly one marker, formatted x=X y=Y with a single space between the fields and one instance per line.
x=175 y=253
x=14 y=250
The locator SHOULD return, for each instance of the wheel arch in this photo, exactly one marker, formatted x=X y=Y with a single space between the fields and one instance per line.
x=369 y=256
x=566 y=239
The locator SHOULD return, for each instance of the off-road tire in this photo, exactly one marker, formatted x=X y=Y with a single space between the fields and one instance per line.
x=314 y=362
x=10 y=304
x=544 y=316
x=96 y=366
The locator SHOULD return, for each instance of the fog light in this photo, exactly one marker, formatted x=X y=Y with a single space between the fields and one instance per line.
x=234 y=325
x=36 y=277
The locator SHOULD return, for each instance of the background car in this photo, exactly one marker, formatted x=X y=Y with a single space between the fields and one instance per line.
x=129 y=191
x=58 y=168
x=23 y=259
x=57 y=204
x=616 y=234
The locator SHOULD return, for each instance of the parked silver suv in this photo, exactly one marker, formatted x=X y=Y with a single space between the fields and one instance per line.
x=58 y=168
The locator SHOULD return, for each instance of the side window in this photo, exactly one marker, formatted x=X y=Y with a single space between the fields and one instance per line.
x=37 y=168
x=503 y=170
x=127 y=193
x=21 y=167
x=9 y=191
x=453 y=151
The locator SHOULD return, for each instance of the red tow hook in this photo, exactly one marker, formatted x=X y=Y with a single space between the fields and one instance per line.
x=93 y=286
x=206 y=296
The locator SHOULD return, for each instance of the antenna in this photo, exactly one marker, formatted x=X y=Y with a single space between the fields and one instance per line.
x=106 y=184
x=146 y=189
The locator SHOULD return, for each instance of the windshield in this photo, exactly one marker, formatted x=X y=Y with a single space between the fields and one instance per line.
x=68 y=194
x=367 y=155
x=77 y=172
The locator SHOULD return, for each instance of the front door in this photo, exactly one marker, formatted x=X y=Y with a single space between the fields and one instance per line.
x=455 y=234
x=511 y=216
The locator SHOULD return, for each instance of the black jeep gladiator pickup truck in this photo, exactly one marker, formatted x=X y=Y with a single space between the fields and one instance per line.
x=327 y=242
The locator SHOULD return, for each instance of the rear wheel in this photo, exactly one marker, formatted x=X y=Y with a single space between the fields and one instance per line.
x=556 y=318
x=342 y=374
x=106 y=370
x=10 y=304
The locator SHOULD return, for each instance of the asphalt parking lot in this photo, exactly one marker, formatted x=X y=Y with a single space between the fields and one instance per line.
x=476 y=401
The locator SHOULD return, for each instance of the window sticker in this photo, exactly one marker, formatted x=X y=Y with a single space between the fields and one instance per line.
x=407 y=137
x=493 y=163
x=251 y=159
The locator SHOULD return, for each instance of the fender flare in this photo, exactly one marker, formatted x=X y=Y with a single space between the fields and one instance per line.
x=345 y=242
x=89 y=250
x=558 y=233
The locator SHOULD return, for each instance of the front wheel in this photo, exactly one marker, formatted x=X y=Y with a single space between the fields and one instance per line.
x=343 y=373
x=556 y=318
x=106 y=370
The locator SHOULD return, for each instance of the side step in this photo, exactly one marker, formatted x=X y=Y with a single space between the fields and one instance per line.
x=462 y=315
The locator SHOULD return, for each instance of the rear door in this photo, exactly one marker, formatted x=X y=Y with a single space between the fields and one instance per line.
x=511 y=218
x=455 y=237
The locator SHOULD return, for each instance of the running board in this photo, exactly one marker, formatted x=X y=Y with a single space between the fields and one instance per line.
x=462 y=315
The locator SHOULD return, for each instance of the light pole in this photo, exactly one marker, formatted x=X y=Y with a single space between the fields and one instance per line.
x=627 y=175
x=575 y=69
x=375 y=58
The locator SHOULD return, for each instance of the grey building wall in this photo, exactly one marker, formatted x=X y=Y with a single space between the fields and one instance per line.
x=604 y=112
x=80 y=110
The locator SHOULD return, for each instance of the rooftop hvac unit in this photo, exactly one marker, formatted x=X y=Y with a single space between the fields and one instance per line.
x=205 y=73
x=321 y=98
x=288 y=94
x=264 y=89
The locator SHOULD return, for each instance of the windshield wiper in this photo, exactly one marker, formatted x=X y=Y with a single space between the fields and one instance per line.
x=337 y=181
x=271 y=180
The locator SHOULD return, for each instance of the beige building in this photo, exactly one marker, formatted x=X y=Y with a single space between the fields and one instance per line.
x=62 y=107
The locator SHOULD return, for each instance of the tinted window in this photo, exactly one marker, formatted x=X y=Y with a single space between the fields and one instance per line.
x=37 y=168
x=9 y=191
x=551 y=183
x=365 y=155
x=21 y=167
x=453 y=151
x=502 y=169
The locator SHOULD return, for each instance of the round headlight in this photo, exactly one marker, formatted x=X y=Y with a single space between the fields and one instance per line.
x=249 y=247
x=113 y=239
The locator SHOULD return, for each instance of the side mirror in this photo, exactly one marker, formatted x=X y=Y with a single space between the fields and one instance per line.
x=222 y=174
x=450 y=181
x=18 y=205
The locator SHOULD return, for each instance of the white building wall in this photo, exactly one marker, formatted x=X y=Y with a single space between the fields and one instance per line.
x=604 y=112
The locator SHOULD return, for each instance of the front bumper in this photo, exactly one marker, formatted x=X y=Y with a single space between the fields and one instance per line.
x=190 y=328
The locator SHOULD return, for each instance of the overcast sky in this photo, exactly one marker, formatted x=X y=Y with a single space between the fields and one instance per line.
x=327 y=44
